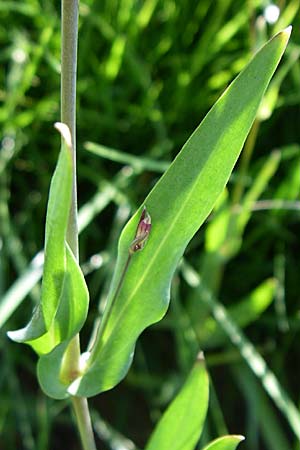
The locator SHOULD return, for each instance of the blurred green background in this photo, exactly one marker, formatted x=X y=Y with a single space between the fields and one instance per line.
x=148 y=71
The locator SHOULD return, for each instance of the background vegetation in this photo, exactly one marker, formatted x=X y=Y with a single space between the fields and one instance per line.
x=148 y=71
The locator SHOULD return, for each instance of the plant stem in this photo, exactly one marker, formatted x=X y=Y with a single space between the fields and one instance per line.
x=69 y=33
x=81 y=410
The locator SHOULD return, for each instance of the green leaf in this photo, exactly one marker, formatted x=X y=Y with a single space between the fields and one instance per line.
x=72 y=308
x=178 y=205
x=63 y=307
x=138 y=163
x=49 y=371
x=181 y=425
x=253 y=359
x=224 y=233
x=243 y=313
x=70 y=317
x=260 y=183
x=225 y=443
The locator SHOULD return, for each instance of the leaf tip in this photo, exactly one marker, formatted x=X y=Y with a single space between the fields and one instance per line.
x=65 y=132
x=286 y=33
x=240 y=437
x=74 y=386
x=200 y=357
x=11 y=335
x=288 y=30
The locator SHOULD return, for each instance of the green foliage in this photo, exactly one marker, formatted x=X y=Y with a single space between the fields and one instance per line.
x=181 y=425
x=243 y=313
x=225 y=443
x=178 y=205
x=147 y=73
x=64 y=300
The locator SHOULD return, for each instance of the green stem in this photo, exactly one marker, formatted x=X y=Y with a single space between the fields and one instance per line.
x=69 y=32
x=82 y=414
x=71 y=364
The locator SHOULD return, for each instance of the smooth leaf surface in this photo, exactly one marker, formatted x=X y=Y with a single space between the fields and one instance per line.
x=69 y=319
x=225 y=443
x=72 y=307
x=49 y=370
x=224 y=236
x=181 y=425
x=54 y=266
x=178 y=205
x=64 y=299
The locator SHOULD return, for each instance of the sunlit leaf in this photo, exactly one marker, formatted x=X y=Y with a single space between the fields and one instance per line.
x=225 y=443
x=178 y=205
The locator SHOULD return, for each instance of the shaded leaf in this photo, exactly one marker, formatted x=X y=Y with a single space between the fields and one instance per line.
x=64 y=303
x=48 y=372
x=243 y=313
x=181 y=425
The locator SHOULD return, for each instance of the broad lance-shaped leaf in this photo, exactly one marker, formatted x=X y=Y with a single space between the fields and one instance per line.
x=49 y=368
x=64 y=299
x=181 y=425
x=178 y=205
x=49 y=373
x=225 y=443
